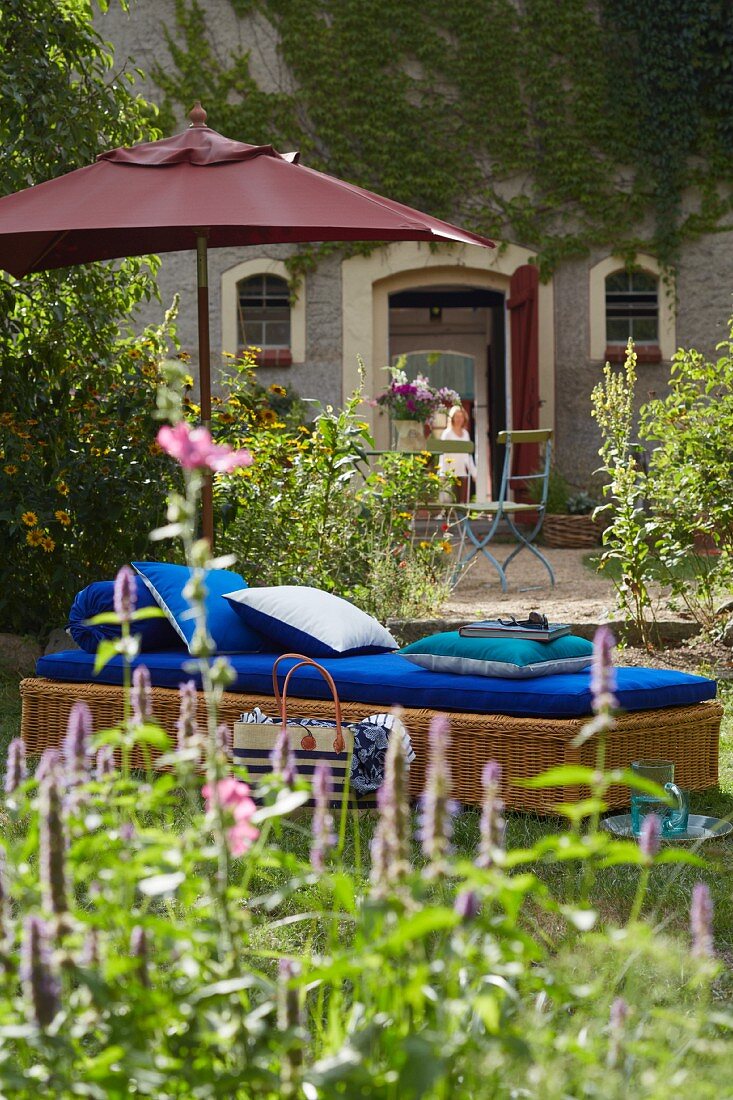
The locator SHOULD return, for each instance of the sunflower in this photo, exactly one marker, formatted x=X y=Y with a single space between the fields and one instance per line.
x=266 y=417
x=30 y=519
x=34 y=537
x=63 y=517
x=10 y=470
x=48 y=544
x=62 y=488
x=279 y=391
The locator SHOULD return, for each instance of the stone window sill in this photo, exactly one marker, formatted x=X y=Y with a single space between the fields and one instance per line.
x=645 y=353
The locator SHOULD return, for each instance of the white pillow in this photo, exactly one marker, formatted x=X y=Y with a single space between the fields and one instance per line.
x=309 y=621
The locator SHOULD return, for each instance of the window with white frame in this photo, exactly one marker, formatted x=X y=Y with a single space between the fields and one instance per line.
x=263 y=313
x=632 y=308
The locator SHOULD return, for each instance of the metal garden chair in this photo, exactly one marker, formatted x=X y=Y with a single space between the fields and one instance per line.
x=506 y=511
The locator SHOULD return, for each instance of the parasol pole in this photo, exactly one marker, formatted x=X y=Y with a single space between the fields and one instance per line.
x=202 y=281
x=198 y=120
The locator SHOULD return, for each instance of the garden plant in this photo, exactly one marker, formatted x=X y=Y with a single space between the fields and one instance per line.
x=163 y=934
x=657 y=508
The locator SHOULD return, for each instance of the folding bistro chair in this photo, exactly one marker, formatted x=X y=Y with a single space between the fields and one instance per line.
x=474 y=515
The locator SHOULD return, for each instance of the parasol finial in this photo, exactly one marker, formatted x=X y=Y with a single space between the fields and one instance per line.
x=197 y=114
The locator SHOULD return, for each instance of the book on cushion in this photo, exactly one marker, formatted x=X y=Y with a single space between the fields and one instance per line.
x=502 y=628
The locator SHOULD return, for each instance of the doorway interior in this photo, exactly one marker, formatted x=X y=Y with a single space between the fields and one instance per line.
x=456 y=336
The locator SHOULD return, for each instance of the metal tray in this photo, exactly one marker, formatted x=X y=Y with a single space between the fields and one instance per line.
x=698 y=828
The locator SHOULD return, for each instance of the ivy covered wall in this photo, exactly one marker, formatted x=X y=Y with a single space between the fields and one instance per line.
x=563 y=126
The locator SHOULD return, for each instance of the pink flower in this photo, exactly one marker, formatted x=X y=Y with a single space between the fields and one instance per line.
x=195 y=449
x=234 y=797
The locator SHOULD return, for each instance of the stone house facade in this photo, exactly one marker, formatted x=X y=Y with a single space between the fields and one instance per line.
x=522 y=352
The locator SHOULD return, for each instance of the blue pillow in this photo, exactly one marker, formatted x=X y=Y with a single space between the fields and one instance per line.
x=98 y=598
x=514 y=658
x=166 y=583
x=309 y=621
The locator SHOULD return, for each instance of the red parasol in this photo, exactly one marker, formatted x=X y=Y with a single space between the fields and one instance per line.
x=197 y=189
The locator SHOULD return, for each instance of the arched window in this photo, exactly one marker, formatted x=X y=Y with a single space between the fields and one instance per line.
x=630 y=302
x=263 y=317
x=632 y=308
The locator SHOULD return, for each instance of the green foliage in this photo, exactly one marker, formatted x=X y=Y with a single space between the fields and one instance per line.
x=691 y=469
x=600 y=110
x=177 y=968
x=657 y=516
x=73 y=377
x=312 y=509
x=81 y=477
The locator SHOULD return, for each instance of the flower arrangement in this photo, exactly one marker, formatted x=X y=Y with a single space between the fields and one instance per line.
x=416 y=400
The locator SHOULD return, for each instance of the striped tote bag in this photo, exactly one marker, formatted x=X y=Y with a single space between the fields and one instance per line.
x=354 y=752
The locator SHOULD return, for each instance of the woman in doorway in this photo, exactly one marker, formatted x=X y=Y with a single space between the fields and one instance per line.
x=460 y=465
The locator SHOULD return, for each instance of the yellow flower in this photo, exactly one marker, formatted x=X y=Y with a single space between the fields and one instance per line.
x=279 y=391
x=25 y=458
x=63 y=488
x=23 y=435
x=266 y=416
x=48 y=544
x=10 y=470
x=34 y=537
x=30 y=519
x=446 y=547
x=155 y=448
x=63 y=517
x=424 y=545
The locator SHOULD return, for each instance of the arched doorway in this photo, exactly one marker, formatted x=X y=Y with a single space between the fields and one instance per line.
x=455 y=335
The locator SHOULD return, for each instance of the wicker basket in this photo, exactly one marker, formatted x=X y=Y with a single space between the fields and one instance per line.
x=571 y=532
x=524 y=747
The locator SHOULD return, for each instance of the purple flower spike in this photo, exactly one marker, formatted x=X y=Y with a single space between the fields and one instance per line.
x=701 y=922
x=125 y=593
x=603 y=673
x=16 y=770
x=52 y=845
x=139 y=951
x=225 y=740
x=324 y=835
x=105 y=763
x=616 y=1025
x=492 y=816
x=76 y=750
x=186 y=726
x=650 y=837
x=39 y=980
x=50 y=762
x=467 y=905
x=282 y=758
x=438 y=809
x=141 y=696
x=391 y=842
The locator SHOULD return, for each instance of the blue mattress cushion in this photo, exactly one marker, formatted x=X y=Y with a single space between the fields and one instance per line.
x=98 y=598
x=517 y=658
x=166 y=582
x=388 y=679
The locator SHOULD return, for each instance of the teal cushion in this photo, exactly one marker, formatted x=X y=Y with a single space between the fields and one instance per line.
x=515 y=658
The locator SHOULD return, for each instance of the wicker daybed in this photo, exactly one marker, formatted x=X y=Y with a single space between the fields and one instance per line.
x=524 y=746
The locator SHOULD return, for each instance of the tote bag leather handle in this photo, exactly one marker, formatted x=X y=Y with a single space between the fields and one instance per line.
x=281 y=699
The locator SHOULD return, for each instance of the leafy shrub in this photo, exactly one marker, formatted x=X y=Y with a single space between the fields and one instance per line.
x=312 y=509
x=82 y=479
x=166 y=939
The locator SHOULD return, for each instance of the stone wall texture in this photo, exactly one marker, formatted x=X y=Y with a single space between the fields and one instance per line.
x=704 y=277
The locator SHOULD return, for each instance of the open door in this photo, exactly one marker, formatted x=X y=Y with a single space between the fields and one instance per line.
x=523 y=306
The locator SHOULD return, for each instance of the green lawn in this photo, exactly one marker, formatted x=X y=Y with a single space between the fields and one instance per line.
x=671 y=884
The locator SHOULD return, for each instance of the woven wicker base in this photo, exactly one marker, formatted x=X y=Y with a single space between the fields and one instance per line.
x=524 y=747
